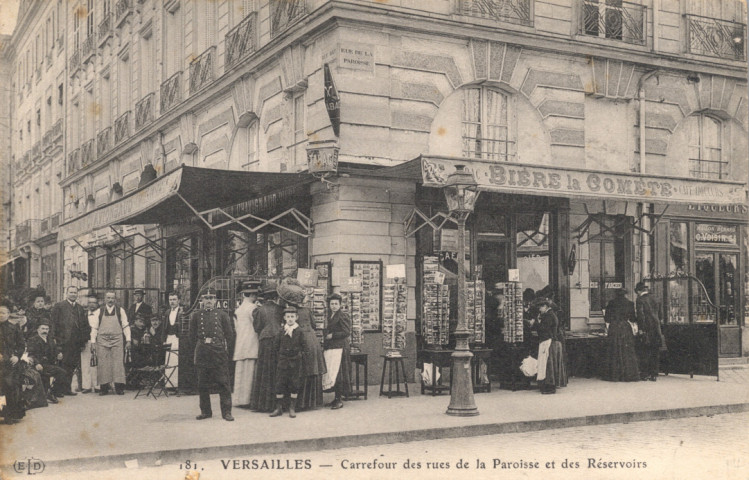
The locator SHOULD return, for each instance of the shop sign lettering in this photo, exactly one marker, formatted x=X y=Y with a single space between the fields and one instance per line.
x=123 y=208
x=709 y=208
x=508 y=177
x=713 y=233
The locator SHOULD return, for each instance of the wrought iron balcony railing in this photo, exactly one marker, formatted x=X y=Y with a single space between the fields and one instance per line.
x=27 y=231
x=75 y=61
x=54 y=221
x=88 y=49
x=170 y=92
x=74 y=161
x=284 y=13
x=53 y=135
x=201 y=69
x=50 y=224
x=519 y=12
x=88 y=153
x=716 y=38
x=103 y=141
x=36 y=152
x=122 y=128
x=106 y=28
x=240 y=41
x=144 y=111
x=615 y=19
x=122 y=10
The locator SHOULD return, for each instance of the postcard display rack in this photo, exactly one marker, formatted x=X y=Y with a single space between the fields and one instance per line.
x=435 y=321
x=316 y=288
x=475 y=311
x=351 y=292
x=370 y=274
x=512 y=311
x=394 y=306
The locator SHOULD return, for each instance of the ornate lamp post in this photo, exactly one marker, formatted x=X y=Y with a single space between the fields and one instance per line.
x=461 y=194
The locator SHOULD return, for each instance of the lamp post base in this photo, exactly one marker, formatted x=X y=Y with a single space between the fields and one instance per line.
x=461 y=393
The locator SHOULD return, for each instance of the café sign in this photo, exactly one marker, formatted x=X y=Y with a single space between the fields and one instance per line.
x=550 y=181
x=716 y=234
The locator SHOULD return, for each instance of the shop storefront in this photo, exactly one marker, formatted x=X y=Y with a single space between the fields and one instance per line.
x=705 y=241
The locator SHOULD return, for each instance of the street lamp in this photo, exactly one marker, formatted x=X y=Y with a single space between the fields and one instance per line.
x=461 y=194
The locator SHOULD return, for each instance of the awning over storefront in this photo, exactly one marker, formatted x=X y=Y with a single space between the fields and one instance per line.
x=505 y=177
x=183 y=193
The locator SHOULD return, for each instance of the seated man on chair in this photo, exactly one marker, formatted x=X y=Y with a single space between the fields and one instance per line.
x=45 y=353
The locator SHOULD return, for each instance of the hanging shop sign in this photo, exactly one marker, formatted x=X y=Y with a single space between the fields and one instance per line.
x=322 y=158
x=716 y=234
x=544 y=180
x=332 y=101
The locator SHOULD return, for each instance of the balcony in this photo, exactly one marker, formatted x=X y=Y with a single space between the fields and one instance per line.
x=285 y=13
x=106 y=29
x=122 y=10
x=171 y=92
x=144 y=111
x=74 y=161
x=36 y=152
x=27 y=231
x=716 y=38
x=75 y=62
x=201 y=69
x=88 y=153
x=615 y=20
x=103 y=142
x=52 y=136
x=240 y=41
x=122 y=128
x=518 y=12
x=50 y=224
x=88 y=49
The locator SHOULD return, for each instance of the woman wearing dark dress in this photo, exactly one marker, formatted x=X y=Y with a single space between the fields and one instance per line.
x=338 y=336
x=313 y=361
x=266 y=321
x=551 y=369
x=621 y=359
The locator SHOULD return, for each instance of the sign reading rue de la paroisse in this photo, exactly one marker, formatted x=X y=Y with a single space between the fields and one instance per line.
x=550 y=181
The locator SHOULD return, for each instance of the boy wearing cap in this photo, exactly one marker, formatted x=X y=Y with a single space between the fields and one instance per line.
x=213 y=337
x=290 y=344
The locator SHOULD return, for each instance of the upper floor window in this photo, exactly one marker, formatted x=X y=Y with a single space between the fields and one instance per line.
x=706 y=159
x=485 y=127
x=614 y=19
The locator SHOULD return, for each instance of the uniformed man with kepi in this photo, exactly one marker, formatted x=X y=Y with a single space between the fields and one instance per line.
x=211 y=333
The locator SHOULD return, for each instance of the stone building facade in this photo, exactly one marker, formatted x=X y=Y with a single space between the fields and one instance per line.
x=648 y=91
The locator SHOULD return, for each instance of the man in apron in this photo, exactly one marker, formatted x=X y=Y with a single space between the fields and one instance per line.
x=110 y=351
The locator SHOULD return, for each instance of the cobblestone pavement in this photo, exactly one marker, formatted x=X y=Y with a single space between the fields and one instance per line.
x=697 y=447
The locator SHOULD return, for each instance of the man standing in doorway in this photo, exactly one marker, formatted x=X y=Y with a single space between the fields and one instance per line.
x=172 y=322
x=111 y=326
x=71 y=332
x=139 y=306
x=213 y=337
x=649 y=327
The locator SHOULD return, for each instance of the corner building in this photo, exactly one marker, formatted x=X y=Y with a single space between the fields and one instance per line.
x=612 y=129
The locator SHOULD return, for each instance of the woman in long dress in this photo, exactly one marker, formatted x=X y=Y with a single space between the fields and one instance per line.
x=313 y=361
x=266 y=320
x=551 y=369
x=338 y=336
x=246 y=345
x=621 y=358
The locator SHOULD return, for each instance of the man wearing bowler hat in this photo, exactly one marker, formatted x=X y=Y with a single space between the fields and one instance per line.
x=212 y=334
x=140 y=307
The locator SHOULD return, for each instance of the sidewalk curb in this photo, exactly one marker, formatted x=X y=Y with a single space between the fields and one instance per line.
x=148 y=459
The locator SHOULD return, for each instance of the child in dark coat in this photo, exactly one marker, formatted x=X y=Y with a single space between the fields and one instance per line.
x=290 y=345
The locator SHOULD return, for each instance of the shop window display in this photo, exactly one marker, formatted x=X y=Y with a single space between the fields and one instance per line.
x=607 y=239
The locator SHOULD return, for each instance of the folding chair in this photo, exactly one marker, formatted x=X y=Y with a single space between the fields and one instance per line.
x=152 y=378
